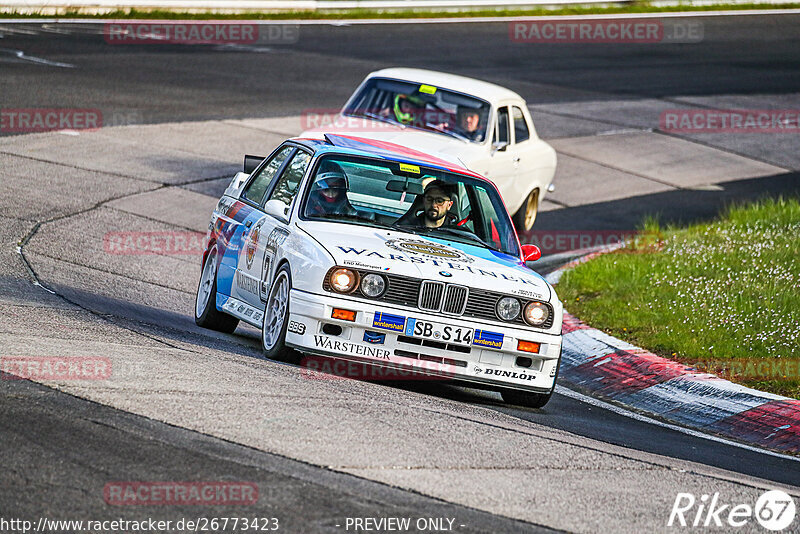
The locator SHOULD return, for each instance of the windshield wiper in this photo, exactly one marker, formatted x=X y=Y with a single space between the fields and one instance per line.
x=378 y=118
x=410 y=229
x=467 y=234
x=433 y=232
x=446 y=132
x=353 y=217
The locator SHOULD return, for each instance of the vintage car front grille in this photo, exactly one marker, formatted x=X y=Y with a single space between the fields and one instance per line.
x=430 y=296
x=452 y=299
x=455 y=299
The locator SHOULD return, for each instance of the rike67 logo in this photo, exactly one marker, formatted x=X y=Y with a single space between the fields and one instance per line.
x=774 y=510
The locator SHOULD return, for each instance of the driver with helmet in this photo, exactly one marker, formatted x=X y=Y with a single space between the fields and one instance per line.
x=328 y=195
x=408 y=109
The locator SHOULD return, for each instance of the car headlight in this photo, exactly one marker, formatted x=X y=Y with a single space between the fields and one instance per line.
x=508 y=308
x=536 y=313
x=373 y=285
x=343 y=280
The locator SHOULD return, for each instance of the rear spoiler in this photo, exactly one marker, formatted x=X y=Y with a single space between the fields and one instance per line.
x=252 y=162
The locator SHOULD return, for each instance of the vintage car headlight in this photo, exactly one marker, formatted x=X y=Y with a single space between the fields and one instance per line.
x=343 y=280
x=373 y=285
x=508 y=308
x=536 y=313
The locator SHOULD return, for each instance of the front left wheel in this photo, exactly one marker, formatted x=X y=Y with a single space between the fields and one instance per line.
x=528 y=398
x=206 y=313
x=526 y=214
x=276 y=317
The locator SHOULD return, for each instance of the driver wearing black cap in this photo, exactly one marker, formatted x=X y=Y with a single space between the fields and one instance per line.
x=436 y=203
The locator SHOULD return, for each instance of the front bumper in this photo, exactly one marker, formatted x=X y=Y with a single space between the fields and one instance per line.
x=491 y=360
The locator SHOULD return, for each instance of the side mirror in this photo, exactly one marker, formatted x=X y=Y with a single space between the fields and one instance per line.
x=499 y=146
x=234 y=188
x=277 y=209
x=251 y=162
x=531 y=253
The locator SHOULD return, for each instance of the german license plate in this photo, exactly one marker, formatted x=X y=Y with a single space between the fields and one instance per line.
x=445 y=333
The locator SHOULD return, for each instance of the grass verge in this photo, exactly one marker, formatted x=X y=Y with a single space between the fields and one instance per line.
x=160 y=14
x=724 y=296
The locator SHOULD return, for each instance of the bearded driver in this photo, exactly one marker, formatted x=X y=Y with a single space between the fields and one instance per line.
x=436 y=202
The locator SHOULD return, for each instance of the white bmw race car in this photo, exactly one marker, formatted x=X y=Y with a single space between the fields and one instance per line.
x=479 y=125
x=361 y=250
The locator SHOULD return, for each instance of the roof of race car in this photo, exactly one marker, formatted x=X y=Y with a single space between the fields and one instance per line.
x=362 y=146
x=462 y=84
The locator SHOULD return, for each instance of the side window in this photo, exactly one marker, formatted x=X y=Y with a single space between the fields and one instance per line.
x=521 y=132
x=287 y=185
x=502 y=126
x=255 y=190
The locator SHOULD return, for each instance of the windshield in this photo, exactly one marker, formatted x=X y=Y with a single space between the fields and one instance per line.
x=421 y=106
x=408 y=198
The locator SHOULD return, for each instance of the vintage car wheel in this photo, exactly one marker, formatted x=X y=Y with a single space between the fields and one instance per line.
x=205 y=308
x=276 y=317
x=526 y=215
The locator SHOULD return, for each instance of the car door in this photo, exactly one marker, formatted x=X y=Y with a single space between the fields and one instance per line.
x=250 y=220
x=260 y=249
x=521 y=151
x=536 y=159
x=501 y=169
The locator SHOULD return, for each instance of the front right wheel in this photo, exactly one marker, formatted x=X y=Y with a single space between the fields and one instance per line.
x=276 y=317
x=525 y=398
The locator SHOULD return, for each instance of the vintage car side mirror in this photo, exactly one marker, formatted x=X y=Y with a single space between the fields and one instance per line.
x=499 y=146
x=531 y=252
x=277 y=209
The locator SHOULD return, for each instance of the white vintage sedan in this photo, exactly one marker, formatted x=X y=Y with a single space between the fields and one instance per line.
x=472 y=123
x=365 y=251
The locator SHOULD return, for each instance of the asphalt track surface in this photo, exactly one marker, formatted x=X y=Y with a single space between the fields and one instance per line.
x=58 y=449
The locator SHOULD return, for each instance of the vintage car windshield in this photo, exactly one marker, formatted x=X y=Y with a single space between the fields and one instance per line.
x=387 y=194
x=421 y=106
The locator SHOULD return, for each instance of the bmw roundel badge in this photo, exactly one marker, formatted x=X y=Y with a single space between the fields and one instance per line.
x=445 y=274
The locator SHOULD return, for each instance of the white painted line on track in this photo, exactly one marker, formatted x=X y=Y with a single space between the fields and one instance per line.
x=33 y=59
x=561 y=390
x=443 y=20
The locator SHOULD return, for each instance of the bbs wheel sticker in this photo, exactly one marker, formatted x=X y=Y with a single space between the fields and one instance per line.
x=296 y=328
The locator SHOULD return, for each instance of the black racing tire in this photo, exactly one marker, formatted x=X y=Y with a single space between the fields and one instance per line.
x=525 y=398
x=528 y=398
x=526 y=214
x=206 y=313
x=276 y=318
